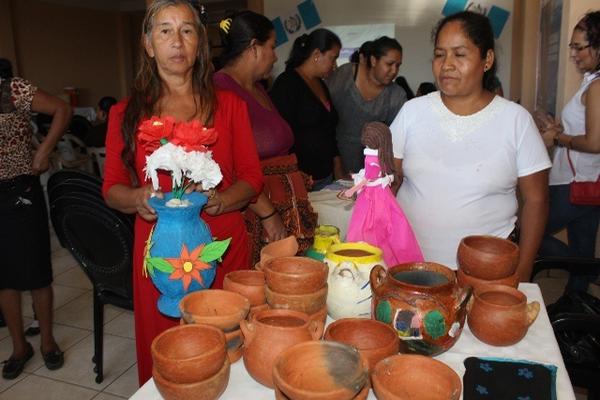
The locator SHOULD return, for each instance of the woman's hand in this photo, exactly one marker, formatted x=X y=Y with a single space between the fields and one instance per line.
x=550 y=133
x=142 y=206
x=41 y=162
x=214 y=206
x=274 y=227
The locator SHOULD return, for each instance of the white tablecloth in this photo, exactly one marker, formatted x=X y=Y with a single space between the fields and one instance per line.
x=331 y=210
x=539 y=345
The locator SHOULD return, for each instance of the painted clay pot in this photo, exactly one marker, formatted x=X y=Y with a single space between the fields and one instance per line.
x=234 y=343
x=423 y=303
x=411 y=376
x=215 y=307
x=248 y=283
x=325 y=237
x=269 y=334
x=209 y=389
x=349 y=267
x=468 y=280
x=189 y=353
x=295 y=275
x=500 y=315
x=320 y=370
x=373 y=339
x=308 y=303
x=487 y=257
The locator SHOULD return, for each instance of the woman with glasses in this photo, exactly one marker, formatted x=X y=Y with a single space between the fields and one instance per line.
x=576 y=137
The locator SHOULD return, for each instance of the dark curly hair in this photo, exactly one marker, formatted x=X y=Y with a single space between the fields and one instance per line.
x=590 y=24
x=478 y=29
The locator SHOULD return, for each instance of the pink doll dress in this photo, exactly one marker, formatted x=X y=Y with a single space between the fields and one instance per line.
x=377 y=217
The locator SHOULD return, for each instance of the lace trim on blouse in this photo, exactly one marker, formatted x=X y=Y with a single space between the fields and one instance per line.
x=458 y=127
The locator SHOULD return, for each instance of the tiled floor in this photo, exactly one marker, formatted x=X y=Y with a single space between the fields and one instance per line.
x=73 y=331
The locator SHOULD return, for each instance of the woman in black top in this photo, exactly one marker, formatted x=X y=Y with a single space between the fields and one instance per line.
x=304 y=102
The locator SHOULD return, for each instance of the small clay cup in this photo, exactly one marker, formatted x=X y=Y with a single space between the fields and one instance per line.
x=468 y=280
x=500 y=315
x=234 y=344
x=208 y=389
x=220 y=308
x=295 y=275
x=487 y=257
x=320 y=370
x=374 y=340
x=189 y=353
x=308 y=303
x=248 y=283
x=411 y=376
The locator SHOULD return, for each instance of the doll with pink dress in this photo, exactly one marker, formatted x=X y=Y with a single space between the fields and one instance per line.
x=377 y=217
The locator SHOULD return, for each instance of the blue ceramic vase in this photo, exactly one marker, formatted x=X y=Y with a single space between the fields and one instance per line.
x=176 y=227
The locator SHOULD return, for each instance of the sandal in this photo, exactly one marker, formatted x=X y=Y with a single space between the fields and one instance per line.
x=14 y=366
x=54 y=359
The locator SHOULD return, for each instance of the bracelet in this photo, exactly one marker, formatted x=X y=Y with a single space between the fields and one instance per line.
x=268 y=216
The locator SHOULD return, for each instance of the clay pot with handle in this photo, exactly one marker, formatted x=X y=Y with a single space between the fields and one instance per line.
x=422 y=302
x=500 y=315
x=271 y=332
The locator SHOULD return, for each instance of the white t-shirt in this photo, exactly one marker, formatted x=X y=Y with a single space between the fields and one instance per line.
x=587 y=165
x=460 y=172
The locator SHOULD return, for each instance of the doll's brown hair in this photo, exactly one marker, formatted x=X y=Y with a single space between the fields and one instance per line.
x=377 y=136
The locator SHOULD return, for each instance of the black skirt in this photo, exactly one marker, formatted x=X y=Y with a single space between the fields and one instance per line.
x=24 y=236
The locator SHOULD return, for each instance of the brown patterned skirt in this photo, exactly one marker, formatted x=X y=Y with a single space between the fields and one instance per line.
x=287 y=188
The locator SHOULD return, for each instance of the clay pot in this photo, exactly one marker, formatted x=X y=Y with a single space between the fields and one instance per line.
x=422 y=302
x=208 y=389
x=320 y=315
x=468 y=280
x=189 y=353
x=234 y=344
x=295 y=275
x=280 y=248
x=373 y=339
x=487 y=257
x=362 y=395
x=308 y=303
x=411 y=376
x=269 y=334
x=250 y=284
x=320 y=370
x=215 y=307
x=500 y=315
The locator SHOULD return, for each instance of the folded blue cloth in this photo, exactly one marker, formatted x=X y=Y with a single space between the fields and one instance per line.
x=505 y=379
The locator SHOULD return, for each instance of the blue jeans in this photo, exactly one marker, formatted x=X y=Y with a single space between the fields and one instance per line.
x=581 y=223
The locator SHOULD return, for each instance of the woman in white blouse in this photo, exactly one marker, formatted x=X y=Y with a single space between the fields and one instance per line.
x=464 y=152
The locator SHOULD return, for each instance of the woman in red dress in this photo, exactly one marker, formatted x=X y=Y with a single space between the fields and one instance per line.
x=175 y=80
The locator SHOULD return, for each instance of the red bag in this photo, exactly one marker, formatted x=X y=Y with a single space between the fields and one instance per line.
x=583 y=193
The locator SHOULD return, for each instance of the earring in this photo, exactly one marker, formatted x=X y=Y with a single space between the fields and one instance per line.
x=485 y=68
x=316 y=59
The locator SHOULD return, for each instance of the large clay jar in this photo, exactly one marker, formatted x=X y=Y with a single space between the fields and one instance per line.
x=423 y=303
x=500 y=315
x=349 y=268
x=487 y=257
x=270 y=333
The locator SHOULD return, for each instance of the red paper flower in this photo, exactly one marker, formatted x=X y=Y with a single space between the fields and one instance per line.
x=155 y=129
x=188 y=266
x=192 y=136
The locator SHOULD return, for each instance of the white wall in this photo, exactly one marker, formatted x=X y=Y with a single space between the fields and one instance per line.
x=413 y=19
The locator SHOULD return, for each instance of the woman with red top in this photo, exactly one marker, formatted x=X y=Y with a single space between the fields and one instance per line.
x=175 y=80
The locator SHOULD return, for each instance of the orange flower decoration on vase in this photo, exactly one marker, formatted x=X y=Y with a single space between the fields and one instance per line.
x=188 y=266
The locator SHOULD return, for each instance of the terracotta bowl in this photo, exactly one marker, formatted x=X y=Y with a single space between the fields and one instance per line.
x=234 y=344
x=362 y=395
x=208 y=389
x=215 y=307
x=295 y=275
x=468 y=280
x=280 y=248
x=409 y=376
x=248 y=283
x=320 y=370
x=374 y=340
x=487 y=257
x=189 y=353
x=308 y=303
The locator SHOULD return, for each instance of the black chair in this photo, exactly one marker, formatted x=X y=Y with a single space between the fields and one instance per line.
x=101 y=242
x=575 y=318
x=79 y=126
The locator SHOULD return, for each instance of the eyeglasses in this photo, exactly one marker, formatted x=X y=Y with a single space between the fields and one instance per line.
x=578 y=48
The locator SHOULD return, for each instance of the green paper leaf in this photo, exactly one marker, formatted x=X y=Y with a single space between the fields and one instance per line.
x=213 y=251
x=160 y=264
